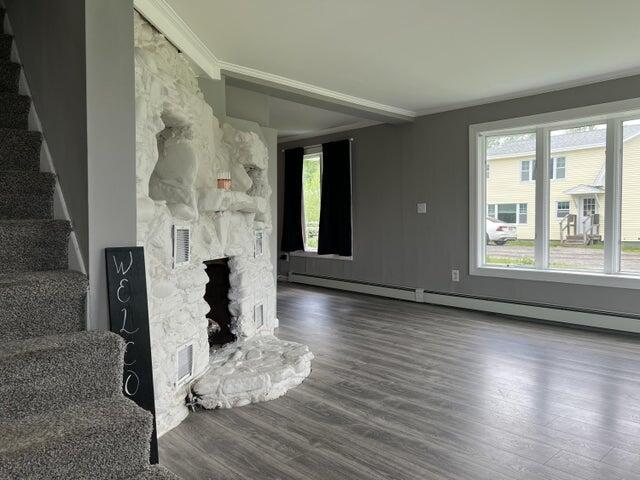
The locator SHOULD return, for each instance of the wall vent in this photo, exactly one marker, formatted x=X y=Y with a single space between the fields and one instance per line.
x=258 y=315
x=181 y=246
x=185 y=363
x=258 y=247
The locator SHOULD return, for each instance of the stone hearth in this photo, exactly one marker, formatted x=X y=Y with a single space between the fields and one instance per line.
x=252 y=370
x=181 y=151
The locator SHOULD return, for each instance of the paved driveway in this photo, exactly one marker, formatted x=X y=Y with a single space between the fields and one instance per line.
x=567 y=257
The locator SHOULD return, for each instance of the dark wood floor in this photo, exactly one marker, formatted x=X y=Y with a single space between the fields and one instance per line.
x=409 y=391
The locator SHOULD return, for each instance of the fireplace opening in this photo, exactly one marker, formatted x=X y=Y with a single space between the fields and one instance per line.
x=217 y=296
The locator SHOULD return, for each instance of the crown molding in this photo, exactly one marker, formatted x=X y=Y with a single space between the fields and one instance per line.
x=328 y=131
x=247 y=72
x=162 y=16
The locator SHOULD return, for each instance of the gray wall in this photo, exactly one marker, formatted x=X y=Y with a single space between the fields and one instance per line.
x=78 y=60
x=111 y=141
x=248 y=105
x=214 y=92
x=396 y=166
x=51 y=41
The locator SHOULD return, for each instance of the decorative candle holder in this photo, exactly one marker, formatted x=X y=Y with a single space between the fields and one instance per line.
x=224 y=180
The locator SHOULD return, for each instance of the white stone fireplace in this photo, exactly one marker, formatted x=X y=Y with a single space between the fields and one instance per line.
x=181 y=150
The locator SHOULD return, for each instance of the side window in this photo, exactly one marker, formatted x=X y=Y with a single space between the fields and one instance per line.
x=562 y=209
x=522 y=213
x=527 y=170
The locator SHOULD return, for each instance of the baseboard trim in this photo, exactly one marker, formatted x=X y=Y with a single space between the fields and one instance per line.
x=606 y=321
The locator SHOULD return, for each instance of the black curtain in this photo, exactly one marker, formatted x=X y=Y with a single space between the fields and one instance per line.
x=335 y=204
x=292 y=212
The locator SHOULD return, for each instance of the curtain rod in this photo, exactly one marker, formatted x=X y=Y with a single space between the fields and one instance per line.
x=316 y=145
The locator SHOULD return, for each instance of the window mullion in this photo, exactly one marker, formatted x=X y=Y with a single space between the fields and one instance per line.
x=612 y=196
x=542 y=199
x=481 y=185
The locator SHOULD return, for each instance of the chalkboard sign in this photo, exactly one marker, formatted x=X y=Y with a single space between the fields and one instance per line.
x=129 y=315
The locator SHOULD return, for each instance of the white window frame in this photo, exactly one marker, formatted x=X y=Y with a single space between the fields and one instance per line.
x=554 y=170
x=568 y=210
x=530 y=170
x=614 y=114
x=518 y=212
x=310 y=151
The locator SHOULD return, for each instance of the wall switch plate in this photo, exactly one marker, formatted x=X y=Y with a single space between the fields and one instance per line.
x=455 y=275
x=422 y=207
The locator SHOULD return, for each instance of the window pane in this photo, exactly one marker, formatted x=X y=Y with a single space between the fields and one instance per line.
x=524 y=171
x=311 y=194
x=522 y=213
x=562 y=209
x=576 y=204
x=510 y=194
x=630 y=200
x=491 y=211
x=560 y=168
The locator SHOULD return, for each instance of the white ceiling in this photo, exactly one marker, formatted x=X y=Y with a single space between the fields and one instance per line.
x=295 y=120
x=424 y=55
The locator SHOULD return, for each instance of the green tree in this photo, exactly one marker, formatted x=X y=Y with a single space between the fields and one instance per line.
x=311 y=192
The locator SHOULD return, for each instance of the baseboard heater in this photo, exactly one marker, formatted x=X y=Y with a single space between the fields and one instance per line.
x=547 y=313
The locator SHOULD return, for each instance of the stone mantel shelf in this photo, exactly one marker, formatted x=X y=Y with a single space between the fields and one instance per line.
x=219 y=200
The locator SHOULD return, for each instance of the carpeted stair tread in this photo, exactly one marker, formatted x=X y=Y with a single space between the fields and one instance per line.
x=26 y=195
x=34 y=304
x=104 y=439
x=14 y=110
x=156 y=472
x=20 y=149
x=33 y=245
x=46 y=373
x=6 y=41
x=9 y=76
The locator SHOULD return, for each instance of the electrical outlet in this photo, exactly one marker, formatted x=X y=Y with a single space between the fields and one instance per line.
x=455 y=275
x=422 y=207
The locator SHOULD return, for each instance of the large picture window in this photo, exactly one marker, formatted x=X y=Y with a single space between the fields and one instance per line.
x=576 y=219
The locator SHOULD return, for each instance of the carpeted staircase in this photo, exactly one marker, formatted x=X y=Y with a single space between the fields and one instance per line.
x=62 y=412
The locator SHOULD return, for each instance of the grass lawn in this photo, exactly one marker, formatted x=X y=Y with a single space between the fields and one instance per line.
x=556 y=243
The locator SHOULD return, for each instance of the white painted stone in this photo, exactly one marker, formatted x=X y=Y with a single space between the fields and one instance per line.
x=257 y=369
x=180 y=150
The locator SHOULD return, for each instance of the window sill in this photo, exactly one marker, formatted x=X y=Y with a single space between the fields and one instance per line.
x=617 y=280
x=308 y=254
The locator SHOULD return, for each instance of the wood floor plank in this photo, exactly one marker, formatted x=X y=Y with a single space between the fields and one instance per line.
x=407 y=391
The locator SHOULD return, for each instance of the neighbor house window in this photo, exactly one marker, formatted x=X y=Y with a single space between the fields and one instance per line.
x=562 y=209
x=527 y=170
x=311 y=197
x=557 y=168
x=512 y=213
x=491 y=210
x=598 y=244
x=522 y=213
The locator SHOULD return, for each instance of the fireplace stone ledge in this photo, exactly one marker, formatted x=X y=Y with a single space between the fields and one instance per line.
x=253 y=370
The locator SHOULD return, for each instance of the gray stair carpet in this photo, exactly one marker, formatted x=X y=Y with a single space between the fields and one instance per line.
x=20 y=150
x=62 y=411
x=26 y=195
x=9 y=77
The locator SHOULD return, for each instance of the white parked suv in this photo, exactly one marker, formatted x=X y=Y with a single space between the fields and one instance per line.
x=499 y=232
